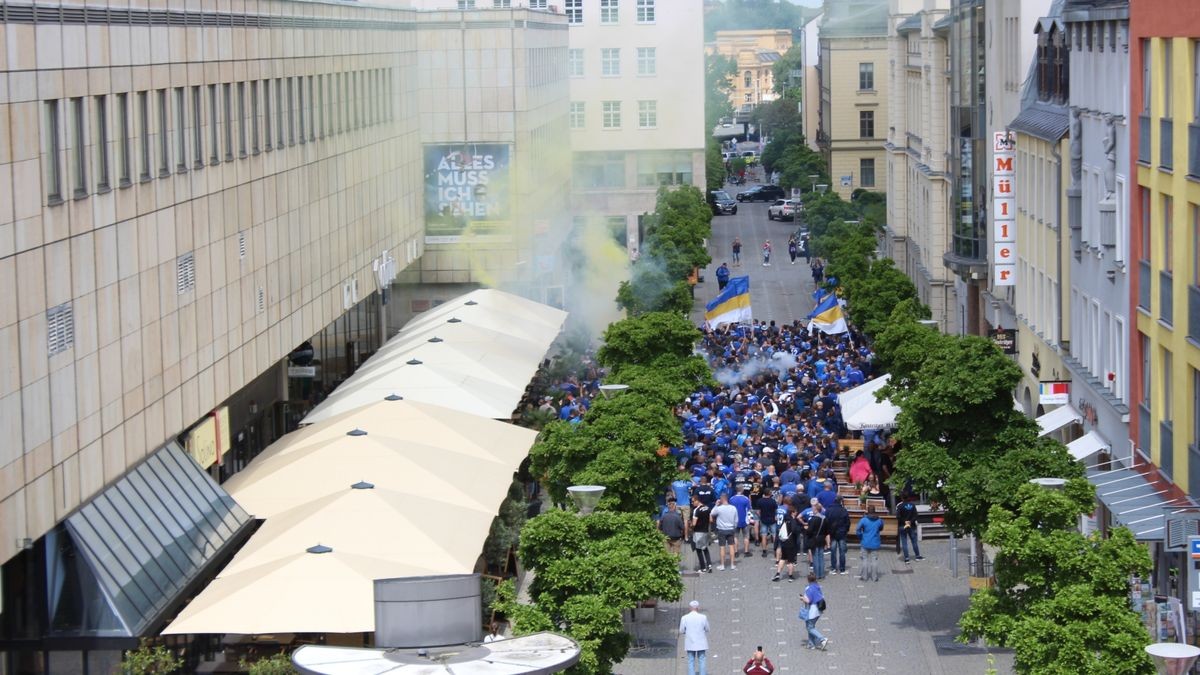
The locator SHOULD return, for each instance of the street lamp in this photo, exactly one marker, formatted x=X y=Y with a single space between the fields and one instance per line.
x=611 y=390
x=812 y=178
x=1049 y=483
x=1172 y=658
x=585 y=497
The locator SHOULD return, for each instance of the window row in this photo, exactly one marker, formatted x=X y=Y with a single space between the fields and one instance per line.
x=610 y=11
x=610 y=61
x=503 y=4
x=610 y=115
x=607 y=169
x=96 y=143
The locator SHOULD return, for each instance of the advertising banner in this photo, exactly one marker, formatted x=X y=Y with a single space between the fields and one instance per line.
x=467 y=192
x=1004 y=210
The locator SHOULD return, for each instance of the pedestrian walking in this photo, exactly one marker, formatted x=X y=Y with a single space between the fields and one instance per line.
x=793 y=249
x=725 y=518
x=693 y=626
x=766 y=253
x=814 y=537
x=701 y=517
x=818 y=271
x=758 y=664
x=814 y=605
x=671 y=524
x=869 y=529
x=906 y=520
x=787 y=544
x=837 y=519
x=806 y=248
x=737 y=252
x=722 y=276
x=767 y=527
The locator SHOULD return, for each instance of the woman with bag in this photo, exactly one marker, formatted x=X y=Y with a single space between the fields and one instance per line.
x=814 y=605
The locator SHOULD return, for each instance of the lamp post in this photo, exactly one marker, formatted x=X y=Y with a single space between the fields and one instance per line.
x=812 y=178
x=1172 y=658
x=585 y=497
x=1049 y=483
x=611 y=390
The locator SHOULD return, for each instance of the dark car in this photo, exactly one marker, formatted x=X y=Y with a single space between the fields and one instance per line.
x=721 y=202
x=761 y=193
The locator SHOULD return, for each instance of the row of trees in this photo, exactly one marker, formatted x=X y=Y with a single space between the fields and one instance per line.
x=672 y=248
x=588 y=570
x=1060 y=599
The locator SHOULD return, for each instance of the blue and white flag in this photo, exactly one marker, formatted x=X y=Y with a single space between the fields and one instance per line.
x=827 y=316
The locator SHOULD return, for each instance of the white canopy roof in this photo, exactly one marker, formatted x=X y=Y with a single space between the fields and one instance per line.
x=1058 y=418
x=1088 y=445
x=412 y=491
x=475 y=354
x=860 y=410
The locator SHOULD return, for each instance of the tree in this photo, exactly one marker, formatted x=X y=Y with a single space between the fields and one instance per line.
x=779 y=117
x=873 y=297
x=796 y=166
x=150 y=659
x=719 y=72
x=746 y=14
x=714 y=166
x=642 y=339
x=276 y=664
x=1060 y=599
x=902 y=345
x=588 y=570
x=651 y=289
x=792 y=59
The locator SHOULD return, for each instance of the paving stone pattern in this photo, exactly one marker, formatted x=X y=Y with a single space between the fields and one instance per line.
x=903 y=624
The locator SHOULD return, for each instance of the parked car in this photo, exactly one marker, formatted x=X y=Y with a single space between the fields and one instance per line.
x=721 y=203
x=761 y=193
x=783 y=209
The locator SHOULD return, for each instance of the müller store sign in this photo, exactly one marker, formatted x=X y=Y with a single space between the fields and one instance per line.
x=1004 y=210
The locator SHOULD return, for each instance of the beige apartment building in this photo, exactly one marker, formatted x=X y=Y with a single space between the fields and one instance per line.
x=854 y=94
x=919 y=183
x=193 y=201
x=755 y=53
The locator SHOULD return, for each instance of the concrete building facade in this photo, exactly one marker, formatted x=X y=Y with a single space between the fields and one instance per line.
x=918 y=180
x=754 y=53
x=854 y=94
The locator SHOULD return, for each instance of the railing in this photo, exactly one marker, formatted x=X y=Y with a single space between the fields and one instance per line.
x=1194 y=150
x=1144 y=284
x=1144 y=138
x=1193 y=321
x=1166 y=447
x=1166 y=297
x=1166 y=143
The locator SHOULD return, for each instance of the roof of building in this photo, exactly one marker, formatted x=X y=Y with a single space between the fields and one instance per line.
x=911 y=23
x=855 y=18
x=1043 y=120
x=768 y=57
x=1095 y=10
x=944 y=23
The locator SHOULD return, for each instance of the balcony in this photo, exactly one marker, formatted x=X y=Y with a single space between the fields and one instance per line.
x=1144 y=138
x=1194 y=314
x=1166 y=297
x=1194 y=150
x=1166 y=143
x=1144 y=285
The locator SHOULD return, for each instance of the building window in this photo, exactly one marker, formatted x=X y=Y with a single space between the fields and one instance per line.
x=103 y=181
x=747 y=80
x=866 y=76
x=501 y=4
x=610 y=61
x=612 y=114
x=255 y=141
x=164 y=135
x=578 y=120
x=180 y=130
x=537 y=4
x=197 y=128
x=241 y=115
x=575 y=62
x=1196 y=87
x=1196 y=247
x=267 y=137
x=663 y=168
x=1147 y=380
x=599 y=170
x=53 y=154
x=1166 y=71
x=645 y=11
x=1168 y=217
x=466 y=4
x=280 y=114
x=214 y=136
x=647 y=114
x=1168 y=413
x=312 y=105
x=608 y=11
x=1146 y=70
x=143 y=98
x=866 y=124
x=124 y=168
x=866 y=173
x=321 y=85
x=647 y=61
x=574 y=11
x=1195 y=412
x=291 y=110
x=227 y=103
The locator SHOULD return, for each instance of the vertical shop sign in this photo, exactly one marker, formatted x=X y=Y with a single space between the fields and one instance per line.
x=1004 y=210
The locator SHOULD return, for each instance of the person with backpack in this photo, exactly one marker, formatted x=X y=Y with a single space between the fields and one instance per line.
x=906 y=520
x=814 y=606
x=788 y=541
x=869 y=532
x=814 y=538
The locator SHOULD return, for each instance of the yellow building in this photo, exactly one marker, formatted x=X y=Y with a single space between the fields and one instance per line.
x=853 y=71
x=755 y=52
x=1165 y=225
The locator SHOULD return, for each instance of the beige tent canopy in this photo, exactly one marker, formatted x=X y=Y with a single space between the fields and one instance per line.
x=475 y=353
x=395 y=488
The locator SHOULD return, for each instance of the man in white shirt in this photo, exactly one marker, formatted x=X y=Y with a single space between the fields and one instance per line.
x=693 y=626
x=725 y=522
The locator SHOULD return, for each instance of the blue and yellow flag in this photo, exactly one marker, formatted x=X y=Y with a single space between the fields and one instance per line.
x=827 y=316
x=731 y=306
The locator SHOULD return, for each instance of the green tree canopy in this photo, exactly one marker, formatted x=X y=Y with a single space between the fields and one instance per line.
x=719 y=72
x=781 y=116
x=1060 y=599
x=874 y=296
x=902 y=345
x=748 y=14
x=642 y=339
x=714 y=166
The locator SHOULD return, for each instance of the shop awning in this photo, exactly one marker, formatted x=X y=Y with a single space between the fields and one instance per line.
x=1088 y=445
x=124 y=559
x=861 y=411
x=476 y=354
x=393 y=489
x=1057 y=419
x=1133 y=501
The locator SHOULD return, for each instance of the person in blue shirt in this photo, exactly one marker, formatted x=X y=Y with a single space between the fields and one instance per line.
x=722 y=276
x=681 y=487
x=741 y=502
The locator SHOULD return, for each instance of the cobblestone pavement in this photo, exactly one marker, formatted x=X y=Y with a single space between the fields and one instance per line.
x=903 y=624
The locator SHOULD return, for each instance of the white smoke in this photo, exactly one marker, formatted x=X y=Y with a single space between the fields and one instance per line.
x=780 y=363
